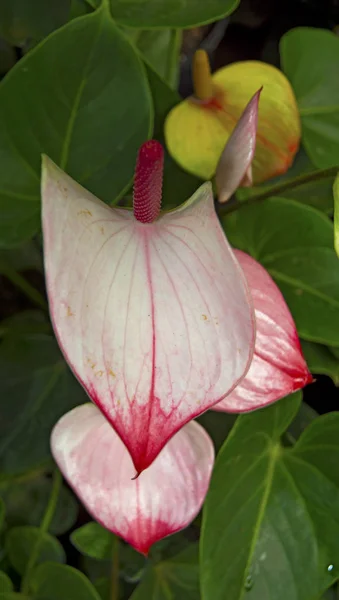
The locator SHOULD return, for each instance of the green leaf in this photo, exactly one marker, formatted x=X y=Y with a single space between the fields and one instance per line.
x=5 y=583
x=304 y=417
x=24 y=323
x=13 y=596
x=160 y=47
x=36 y=388
x=178 y=185
x=7 y=57
x=26 y=504
x=79 y=8
x=175 y=579
x=89 y=114
x=94 y=541
x=317 y=193
x=321 y=361
x=21 y=541
x=170 y=13
x=270 y=522
x=20 y=20
x=51 y=581
x=336 y=214
x=22 y=258
x=295 y=244
x=2 y=512
x=313 y=75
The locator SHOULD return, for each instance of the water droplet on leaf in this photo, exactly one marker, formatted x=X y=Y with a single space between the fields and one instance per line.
x=330 y=568
x=248 y=582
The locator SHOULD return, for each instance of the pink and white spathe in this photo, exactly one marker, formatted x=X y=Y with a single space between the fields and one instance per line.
x=165 y=498
x=278 y=367
x=152 y=311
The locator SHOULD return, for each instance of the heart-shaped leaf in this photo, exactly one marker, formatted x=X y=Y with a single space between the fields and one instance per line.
x=68 y=98
x=270 y=524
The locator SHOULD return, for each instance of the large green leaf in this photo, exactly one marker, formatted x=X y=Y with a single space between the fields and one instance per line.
x=317 y=192
x=295 y=244
x=72 y=100
x=310 y=59
x=26 y=503
x=21 y=542
x=51 y=581
x=22 y=19
x=270 y=524
x=175 y=579
x=169 y=13
x=36 y=389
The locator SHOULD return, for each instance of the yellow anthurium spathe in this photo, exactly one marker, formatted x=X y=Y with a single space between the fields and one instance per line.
x=197 y=129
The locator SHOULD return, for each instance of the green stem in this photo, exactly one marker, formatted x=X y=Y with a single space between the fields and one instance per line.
x=45 y=524
x=279 y=188
x=22 y=284
x=172 y=69
x=115 y=570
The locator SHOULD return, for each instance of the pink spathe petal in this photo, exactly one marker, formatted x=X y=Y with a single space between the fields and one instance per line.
x=234 y=166
x=165 y=498
x=155 y=320
x=278 y=367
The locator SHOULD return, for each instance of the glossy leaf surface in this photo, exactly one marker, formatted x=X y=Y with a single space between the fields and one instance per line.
x=270 y=506
x=49 y=103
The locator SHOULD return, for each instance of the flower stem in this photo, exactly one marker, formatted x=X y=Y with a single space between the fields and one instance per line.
x=274 y=190
x=45 y=524
x=115 y=570
x=24 y=286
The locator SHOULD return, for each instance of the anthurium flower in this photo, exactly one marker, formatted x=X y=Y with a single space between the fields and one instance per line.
x=278 y=367
x=151 y=310
x=165 y=498
x=197 y=129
